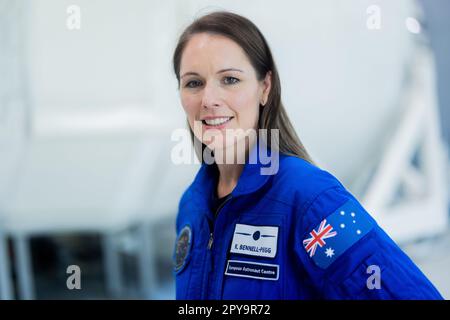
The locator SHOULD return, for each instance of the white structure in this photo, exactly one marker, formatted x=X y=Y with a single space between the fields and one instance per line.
x=408 y=192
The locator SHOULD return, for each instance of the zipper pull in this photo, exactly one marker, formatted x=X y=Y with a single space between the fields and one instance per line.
x=211 y=240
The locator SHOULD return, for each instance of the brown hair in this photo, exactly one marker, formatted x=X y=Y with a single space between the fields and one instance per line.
x=250 y=39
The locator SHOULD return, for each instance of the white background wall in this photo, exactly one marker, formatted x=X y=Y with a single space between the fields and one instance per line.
x=339 y=78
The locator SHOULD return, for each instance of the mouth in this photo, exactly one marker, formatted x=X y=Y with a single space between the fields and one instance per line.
x=216 y=122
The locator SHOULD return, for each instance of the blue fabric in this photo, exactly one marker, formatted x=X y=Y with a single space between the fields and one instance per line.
x=296 y=200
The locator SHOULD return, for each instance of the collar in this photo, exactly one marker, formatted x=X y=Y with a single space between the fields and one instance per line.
x=251 y=178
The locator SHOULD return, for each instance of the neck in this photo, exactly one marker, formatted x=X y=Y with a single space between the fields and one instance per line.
x=228 y=178
x=229 y=173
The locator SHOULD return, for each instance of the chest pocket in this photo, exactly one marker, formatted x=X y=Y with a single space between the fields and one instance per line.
x=254 y=267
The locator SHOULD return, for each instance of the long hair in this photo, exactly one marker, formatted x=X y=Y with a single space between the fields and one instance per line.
x=242 y=31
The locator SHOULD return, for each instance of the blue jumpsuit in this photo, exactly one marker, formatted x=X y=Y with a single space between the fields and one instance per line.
x=297 y=234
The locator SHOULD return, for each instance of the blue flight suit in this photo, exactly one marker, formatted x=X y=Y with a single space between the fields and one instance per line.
x=297 y=234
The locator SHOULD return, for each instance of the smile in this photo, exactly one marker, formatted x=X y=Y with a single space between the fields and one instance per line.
x=216 y=121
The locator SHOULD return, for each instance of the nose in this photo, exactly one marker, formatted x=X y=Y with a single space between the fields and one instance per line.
x=211 y=96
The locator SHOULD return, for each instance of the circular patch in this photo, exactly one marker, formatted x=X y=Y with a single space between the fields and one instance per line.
x=182 y=247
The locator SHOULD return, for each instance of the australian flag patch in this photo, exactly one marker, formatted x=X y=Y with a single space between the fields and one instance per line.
x=337 y=233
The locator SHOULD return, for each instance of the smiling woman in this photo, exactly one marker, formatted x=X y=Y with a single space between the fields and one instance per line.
x=216 y=61
x=219 y=96
x=296 y=233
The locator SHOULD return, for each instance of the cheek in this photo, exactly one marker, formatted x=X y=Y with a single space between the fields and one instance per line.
x=190 y=104
x=246 y=108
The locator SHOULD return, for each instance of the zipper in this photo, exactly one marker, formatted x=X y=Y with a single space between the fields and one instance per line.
x=209 y=247
x=211 y=235
x=210 y=241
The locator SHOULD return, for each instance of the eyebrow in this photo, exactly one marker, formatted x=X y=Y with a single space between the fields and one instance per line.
x=190 y=73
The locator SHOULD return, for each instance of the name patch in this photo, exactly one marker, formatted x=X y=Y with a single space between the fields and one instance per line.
x=252 y=270
x=255 y=240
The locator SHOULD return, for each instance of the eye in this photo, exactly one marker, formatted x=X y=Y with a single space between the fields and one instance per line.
x=230 y=80
x=193 y=84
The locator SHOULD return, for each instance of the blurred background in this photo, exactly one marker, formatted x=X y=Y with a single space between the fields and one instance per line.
x=88 y=103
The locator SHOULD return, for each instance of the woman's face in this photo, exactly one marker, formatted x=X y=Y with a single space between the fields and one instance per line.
x=219 y=89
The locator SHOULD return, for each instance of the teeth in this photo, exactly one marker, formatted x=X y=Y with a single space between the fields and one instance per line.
x=217 y=121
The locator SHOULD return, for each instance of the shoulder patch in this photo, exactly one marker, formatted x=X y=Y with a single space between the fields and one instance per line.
x=337 y=233
x=182 y=248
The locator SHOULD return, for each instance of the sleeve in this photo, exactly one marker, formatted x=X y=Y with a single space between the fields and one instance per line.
x=348 y=256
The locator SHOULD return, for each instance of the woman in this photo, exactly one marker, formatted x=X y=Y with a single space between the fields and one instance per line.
x=290 y=232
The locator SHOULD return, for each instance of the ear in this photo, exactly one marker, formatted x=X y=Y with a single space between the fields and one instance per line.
x=266 y=85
